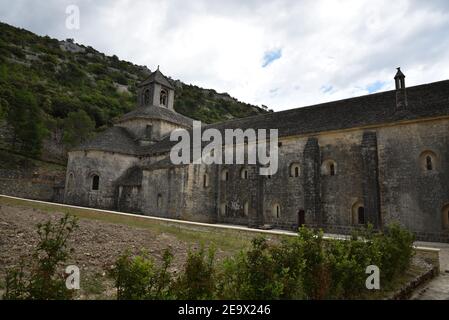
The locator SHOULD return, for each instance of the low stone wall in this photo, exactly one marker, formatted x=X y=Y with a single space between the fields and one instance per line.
x=429 y=255
x=27 y=185
x=420 y=236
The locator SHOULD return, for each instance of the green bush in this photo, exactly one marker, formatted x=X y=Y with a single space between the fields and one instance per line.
x=302 y=267
x=396 y=247
x=138 y=278
x=252 y=275
x=197 y=281
x=43 y=281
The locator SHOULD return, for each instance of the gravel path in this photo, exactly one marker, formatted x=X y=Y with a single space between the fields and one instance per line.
x=437 y=288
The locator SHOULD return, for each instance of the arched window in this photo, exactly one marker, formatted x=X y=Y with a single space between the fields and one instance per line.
x=223 y=209
x=445 y=217
x=205 y=180
x=428 y=161
x=332 y=169
x=294 y=170
x=159 y=201
x=329 y=168
x=276 y=211
x=358 y=213
x=146 y=97
x=163 y=99
x=224 y=175
x=361 y=215
x=71 y=181
x=244 y=174
x=95 y=182
x=246 y=209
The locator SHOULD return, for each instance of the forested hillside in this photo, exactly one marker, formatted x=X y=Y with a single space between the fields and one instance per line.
x=55 y=94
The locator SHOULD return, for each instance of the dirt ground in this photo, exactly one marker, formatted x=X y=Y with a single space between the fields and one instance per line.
x=97 y=245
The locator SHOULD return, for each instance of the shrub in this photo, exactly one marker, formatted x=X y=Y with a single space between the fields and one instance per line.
x=315 y=275
x=197 y=282
x=396 y=247
x=302 y=267
x=138 y=278
x=43 y=282
x=348 y=261
x=252 y=275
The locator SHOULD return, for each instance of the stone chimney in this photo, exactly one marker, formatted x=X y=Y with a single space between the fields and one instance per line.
x=401 y=93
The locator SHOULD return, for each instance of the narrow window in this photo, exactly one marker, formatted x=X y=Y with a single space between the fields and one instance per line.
x=95 y=182
x=159 y=201
x=146 y=97
x=294 y=170
x=148 y=131
x=71 y=182
x=361 y=215
x=244 y=174
x=445 y=217
x=332 y=169
x=163 y=100
x=276 y=211
x=429 y=164
x=205 y=181
x=447 y=220
x=225 y=175
x=301 y=218
x=246 y=209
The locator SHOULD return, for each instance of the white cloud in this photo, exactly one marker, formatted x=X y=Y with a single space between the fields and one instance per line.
x=342 y=46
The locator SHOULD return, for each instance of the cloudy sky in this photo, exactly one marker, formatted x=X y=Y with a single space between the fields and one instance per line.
x=282 y=54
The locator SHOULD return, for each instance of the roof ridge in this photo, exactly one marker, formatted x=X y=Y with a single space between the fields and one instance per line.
x=308 y=107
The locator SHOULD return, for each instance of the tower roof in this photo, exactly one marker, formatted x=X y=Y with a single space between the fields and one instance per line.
x=399 y=74
x=157 y=77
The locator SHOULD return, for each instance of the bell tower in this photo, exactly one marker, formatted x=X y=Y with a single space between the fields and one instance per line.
x=156 y=91
x=401 y=93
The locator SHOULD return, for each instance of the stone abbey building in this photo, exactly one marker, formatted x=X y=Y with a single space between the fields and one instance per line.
x=373 y=159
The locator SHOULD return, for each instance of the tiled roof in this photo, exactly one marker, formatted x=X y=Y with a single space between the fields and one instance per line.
x=157 y=77
x=114 y=139
x=424 y=101
x=153 y=112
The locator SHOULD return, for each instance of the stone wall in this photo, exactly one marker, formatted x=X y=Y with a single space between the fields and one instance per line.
x=411 y=194
x=83 y=165
x=380 y=169
x=163 y=192
x=21 y=183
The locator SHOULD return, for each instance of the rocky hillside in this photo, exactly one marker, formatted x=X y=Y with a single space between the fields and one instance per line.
x=55 y=94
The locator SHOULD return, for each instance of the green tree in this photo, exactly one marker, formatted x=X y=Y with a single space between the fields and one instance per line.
x=26 y=120
x=78 y=127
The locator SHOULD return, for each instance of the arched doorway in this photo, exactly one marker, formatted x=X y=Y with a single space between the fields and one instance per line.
x=301 y=218
x=445 y=217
